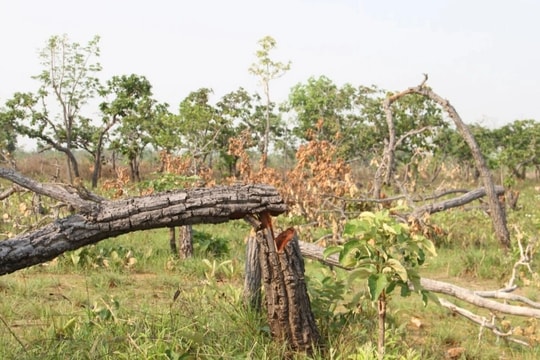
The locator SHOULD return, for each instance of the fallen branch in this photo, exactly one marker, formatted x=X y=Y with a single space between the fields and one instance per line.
x=482 y=321
x=8 y=192
x=99 y=221
x=315 y=252
x=474 y=298
x=454 y=202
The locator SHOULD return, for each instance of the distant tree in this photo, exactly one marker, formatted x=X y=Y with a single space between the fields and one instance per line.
x=138 y=112
x=448 y=145
x=242 y=111
x=519 y=146
x=353 y=119
x=166 y=133
x=267 y=70
x=53 y=114
x=322 y=105
x=8 y=136
x=200 y=126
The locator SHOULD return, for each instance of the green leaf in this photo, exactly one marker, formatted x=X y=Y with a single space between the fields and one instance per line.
x=353 y=227
x=429 y=295
x=405 y=289
x=331 y=250
x=398 y=268
x=391 y=287
x=349 y=260
x=414 y=279
x=361 y=273
x=348 y=256
x=389 y=229
x=377 y=283
x=429 y=246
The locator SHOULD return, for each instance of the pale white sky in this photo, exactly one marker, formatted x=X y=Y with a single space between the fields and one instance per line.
x=482 y=55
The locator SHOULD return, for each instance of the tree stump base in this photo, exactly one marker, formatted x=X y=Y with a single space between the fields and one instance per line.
x=287 y=302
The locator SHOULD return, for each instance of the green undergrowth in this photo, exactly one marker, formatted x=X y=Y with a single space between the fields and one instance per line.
x=130 y=298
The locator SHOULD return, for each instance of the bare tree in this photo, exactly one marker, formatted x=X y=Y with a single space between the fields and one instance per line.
x=384 y=171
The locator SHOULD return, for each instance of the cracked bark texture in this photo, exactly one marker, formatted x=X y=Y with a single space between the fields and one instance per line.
x=287 y=302
x=252 y=281
x=106 y=219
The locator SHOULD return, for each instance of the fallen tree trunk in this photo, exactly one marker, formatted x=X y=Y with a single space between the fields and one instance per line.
x=101 y=220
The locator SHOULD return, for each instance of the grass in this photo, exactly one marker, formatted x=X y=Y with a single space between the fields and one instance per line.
x=97 y=303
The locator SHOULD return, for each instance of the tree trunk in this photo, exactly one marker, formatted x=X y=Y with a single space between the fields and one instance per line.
x=96 y=174
x=381 y=312
x=186 y=242
x=287 y=302
x=497 y=214
x=101 y=220
x=134 y=169
x=172 y=240
x=252 y=279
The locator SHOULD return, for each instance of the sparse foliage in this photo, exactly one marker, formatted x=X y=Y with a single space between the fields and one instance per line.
x=267 y=70
x=385 y=252
x=53 y=115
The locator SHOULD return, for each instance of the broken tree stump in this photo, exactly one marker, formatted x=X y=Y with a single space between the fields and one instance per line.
x=287 y=302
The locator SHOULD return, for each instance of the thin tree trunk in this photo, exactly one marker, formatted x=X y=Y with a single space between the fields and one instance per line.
x=252 y=280
x=186 y=242
x=172 y=240
x=381 y=307
x=497 y=213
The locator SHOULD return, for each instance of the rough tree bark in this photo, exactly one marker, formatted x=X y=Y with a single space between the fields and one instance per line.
x=288 y=305
x=185 y=239
x=497 y=213
x=99 y=220
x=184 y=249
x=287 y=302
x=172 y=240
x=252 y=279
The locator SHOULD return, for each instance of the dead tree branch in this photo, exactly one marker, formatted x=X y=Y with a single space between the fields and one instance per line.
x=8 y=192
x=78 y=197
x=482 y=321
x=99 y=221
x=384 y=171
x=454 y=202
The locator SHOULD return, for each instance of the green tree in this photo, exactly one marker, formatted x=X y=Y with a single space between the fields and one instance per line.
x=138 y=112
x=267 y=70
x=386 y=253
x=53 y=115
x=322 y=105
x=519 y=146
x=201 y=127
x=8 y=136
x=236 y=108
x=242 y=111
